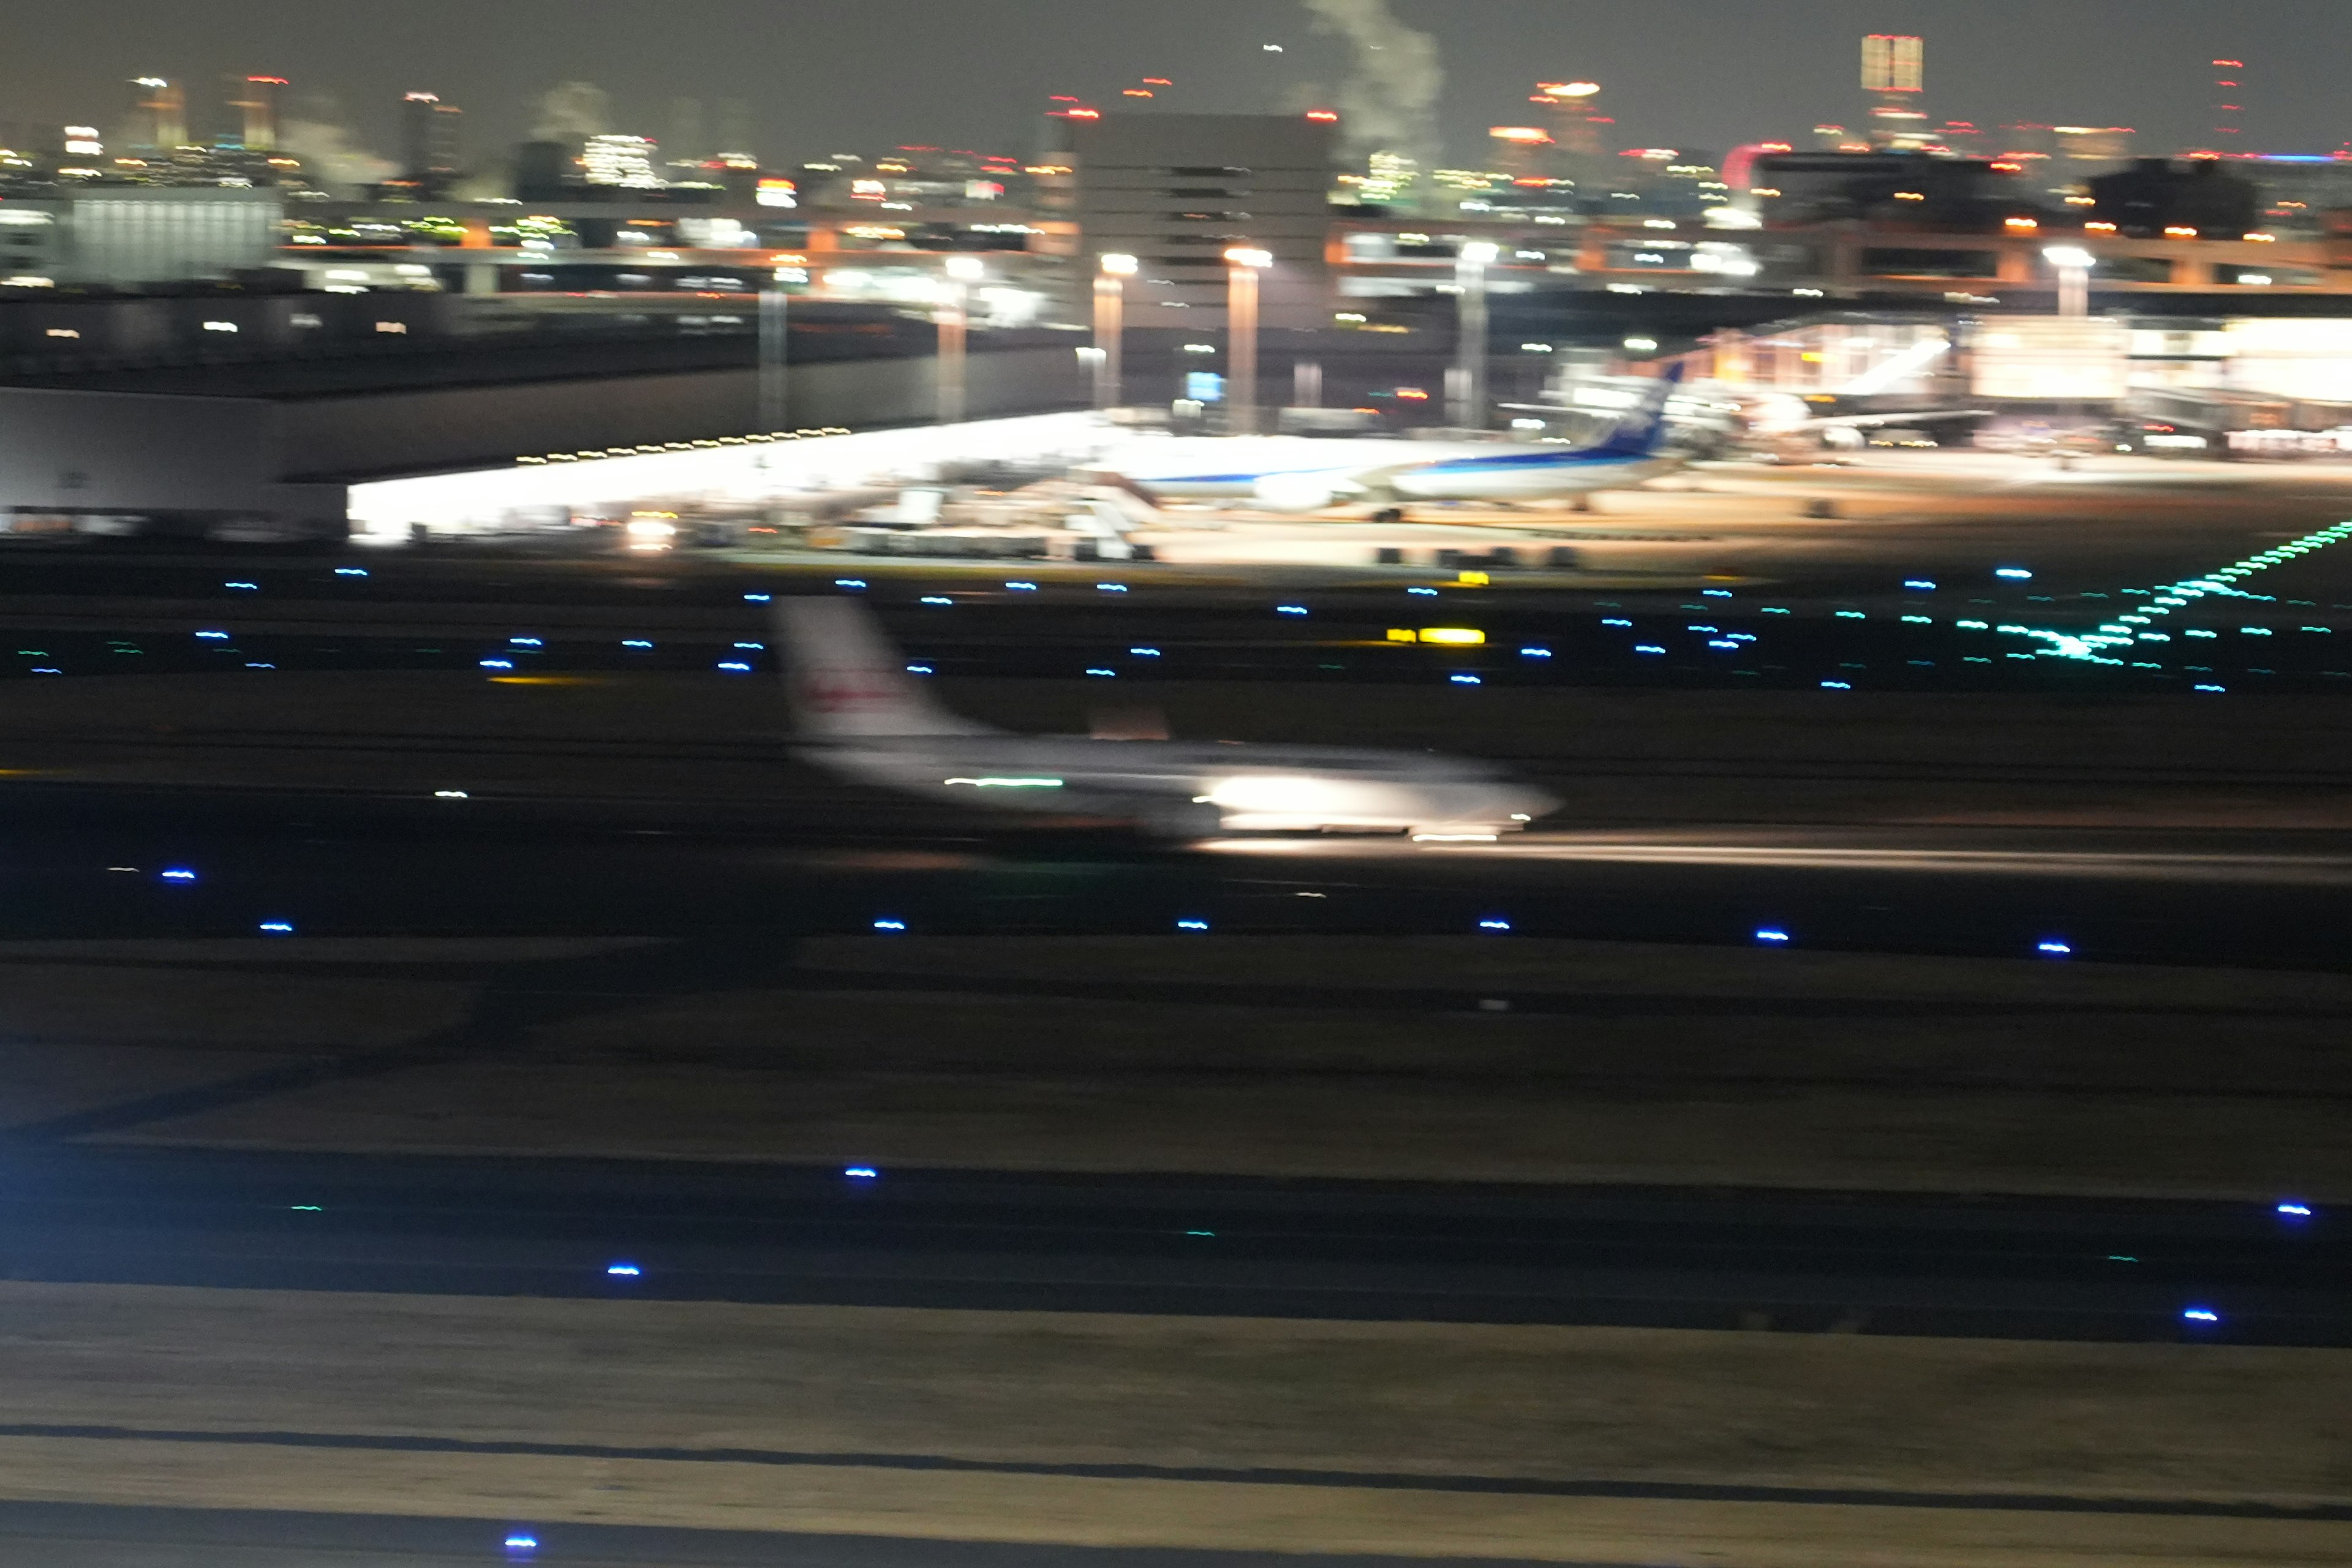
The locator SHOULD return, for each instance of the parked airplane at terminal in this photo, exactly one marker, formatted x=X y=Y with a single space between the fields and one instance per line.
x=863 y=717
x=1306 y=473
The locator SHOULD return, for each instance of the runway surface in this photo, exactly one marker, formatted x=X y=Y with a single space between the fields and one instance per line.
x=80 y=1535
x=86 y=862
x=1219 y=1246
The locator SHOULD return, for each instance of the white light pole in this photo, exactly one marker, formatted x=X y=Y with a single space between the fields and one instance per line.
x=774 y=327
x=1469 y=411
x=954 y=319
x=1243 y=264
x=2073 y=263
x=1111 y=329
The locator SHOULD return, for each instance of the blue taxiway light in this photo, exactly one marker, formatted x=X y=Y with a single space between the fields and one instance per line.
x=1423 y=593
x=637 y=643
x=1104 y=674
x=760 y=598
x=243 y=587
x=522 y=1543
x=497 y=663
x=624 y=1270
x=2054 y=949
x=921 y=669
x=735 y=666
x=1144 y=652
x=212 y=637
x=852 y=583
x=1920 y=584
x=350 y=571
x=2200 y=1315
x=1466 y=680
x=1648 y=647
x=889 y=925
x=1192 y=925
x=2014 y=574
x=1771 y=934
x=1110 y=587
x=178 y=875
x=1022 y=587
x=860 y=1173
x=279 y=928
x=1494 y=925
x=938 y=599
x=1535 y=653
x=1715 y=593
x=1837 y=686
x=2292 y=1209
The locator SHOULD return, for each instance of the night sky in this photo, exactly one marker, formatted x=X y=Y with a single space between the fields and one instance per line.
x=868 y=74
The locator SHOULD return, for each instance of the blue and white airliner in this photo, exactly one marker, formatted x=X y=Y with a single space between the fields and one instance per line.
x=1306 y=473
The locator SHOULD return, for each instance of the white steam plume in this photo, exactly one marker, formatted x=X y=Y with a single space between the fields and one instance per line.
x=1389 y=104
x=572 y=112
x=319 y=134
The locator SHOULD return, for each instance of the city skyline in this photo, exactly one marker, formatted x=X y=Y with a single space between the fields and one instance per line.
x=1674 y=74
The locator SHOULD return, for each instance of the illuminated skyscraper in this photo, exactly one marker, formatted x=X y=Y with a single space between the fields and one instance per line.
x=1895 y=73
x=428 y=141
x=624 y=160
x=1521 y=151
x=2229 y=105
x=159 y=121
x=255 y=100
x=1893 y=63
x=1576 y=117
x=1577 y=148
x=2085 y=149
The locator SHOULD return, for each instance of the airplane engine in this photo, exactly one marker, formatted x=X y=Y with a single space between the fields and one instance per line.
x=1294 y=492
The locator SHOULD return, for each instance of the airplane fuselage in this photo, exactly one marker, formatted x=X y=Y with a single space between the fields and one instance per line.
x=1306 y=473
x=1194 y=786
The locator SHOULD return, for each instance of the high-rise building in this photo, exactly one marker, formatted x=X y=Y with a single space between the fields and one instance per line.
x=254 y=99
x=1895 y=74
x=2229 y=105
x=1392 y=180
x=1520 y=151
x=159 y=121
x=545 y=172
x=2085 y=149
x=1576 y=117
x=1893 y=62
x=1179 y=191
x=686 y=141
x=429 y=147
x=626 y=161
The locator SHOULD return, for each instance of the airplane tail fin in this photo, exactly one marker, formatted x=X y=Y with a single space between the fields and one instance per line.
x=846 y=680
x=1643 y=429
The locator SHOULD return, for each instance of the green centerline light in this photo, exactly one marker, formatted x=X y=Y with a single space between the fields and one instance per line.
x=2120 y=633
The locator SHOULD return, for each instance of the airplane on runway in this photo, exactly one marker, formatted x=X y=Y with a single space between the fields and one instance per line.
x=1306 y=473
x=1783 y=425
x=863 y=717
